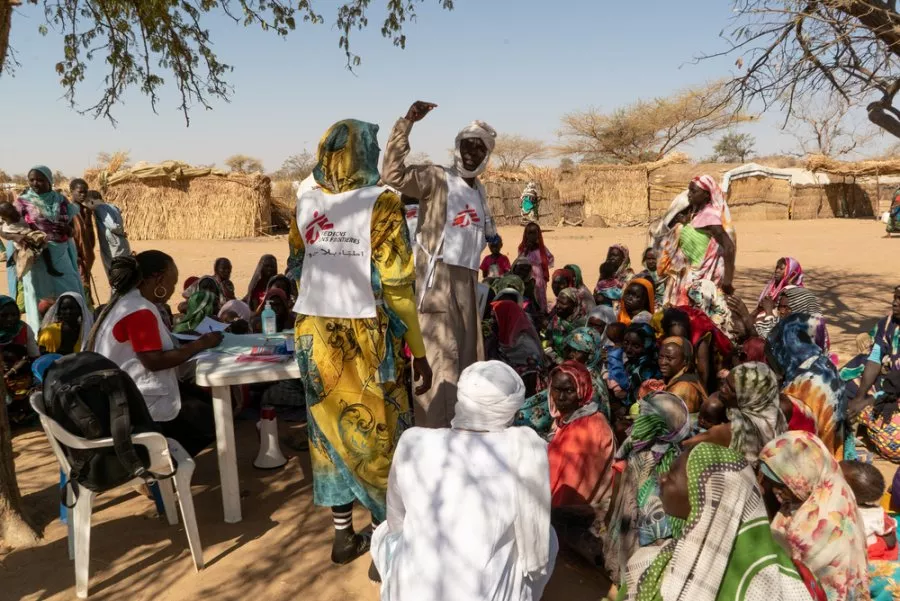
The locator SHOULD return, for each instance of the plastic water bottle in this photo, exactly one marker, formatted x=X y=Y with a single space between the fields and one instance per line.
x=269 y=325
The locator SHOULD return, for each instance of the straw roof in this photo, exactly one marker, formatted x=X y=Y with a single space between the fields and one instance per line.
x=172 y=200
x=673 y=158
x=820 y=162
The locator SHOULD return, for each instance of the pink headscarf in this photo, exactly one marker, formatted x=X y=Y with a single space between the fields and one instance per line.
x=793 y=276
x=711 y=214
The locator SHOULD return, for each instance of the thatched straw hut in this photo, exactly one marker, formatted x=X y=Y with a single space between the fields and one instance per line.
x=173 y=200
x=867 y=187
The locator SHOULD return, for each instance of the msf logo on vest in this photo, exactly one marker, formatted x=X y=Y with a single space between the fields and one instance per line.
x=466 y=217
x=318 y=224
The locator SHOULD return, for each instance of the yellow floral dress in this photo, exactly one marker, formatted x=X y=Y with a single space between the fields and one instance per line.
x=351 y=370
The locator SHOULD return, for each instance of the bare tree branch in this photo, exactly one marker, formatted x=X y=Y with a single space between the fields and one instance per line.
x=647 y=130
x=788 y=50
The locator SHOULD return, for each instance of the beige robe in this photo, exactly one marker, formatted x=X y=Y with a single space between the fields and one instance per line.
x=448 y=312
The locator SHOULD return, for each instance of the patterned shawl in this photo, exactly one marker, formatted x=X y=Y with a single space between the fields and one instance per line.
x=706 y=296
x=826 y=532
x=201 y=304
x=48 y=213
x=652 y=445
x=348 y=157
x=757 y=418
x=810 y=376
x=624 y=272
x=646 y=366
x=559 y=328
x=725 y=549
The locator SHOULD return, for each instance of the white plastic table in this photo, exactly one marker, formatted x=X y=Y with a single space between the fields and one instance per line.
x=220 y=371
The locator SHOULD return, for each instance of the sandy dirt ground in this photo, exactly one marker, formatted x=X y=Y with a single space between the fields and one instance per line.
x=281 y=549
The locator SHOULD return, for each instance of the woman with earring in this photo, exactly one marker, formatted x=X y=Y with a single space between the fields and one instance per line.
x=130 y=332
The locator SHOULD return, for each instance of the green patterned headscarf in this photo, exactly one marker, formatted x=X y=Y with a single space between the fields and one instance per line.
x=201 y=305
x=724 y=547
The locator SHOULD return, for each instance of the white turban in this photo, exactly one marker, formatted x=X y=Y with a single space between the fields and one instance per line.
x=482 y=131
x=489 y=394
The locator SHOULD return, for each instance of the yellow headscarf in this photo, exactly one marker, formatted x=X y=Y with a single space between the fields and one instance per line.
x=348 y=157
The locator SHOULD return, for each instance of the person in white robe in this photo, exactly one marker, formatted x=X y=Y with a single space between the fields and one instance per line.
x=468 y=507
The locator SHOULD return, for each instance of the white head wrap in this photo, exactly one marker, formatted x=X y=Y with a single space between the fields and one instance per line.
x=483 y=132
x=87 y=318
x=489 y=394
x=679 y=203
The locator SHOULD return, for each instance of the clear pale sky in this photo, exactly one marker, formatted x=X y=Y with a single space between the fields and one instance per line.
x=517 y=64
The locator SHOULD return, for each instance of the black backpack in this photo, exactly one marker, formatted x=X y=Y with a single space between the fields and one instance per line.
x=90 y=397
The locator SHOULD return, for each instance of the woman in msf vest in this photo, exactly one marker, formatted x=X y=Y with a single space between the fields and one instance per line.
x=130 y=332
x=355 y=308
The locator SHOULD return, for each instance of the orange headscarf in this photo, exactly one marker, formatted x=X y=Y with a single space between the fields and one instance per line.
x=651 y=295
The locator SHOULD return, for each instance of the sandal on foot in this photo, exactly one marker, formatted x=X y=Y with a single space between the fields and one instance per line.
x=351 y=548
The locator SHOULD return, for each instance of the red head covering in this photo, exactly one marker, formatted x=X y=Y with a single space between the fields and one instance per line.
x=276 y=292
x=584 y=386
x=651 y=295
x=565 y=273
x=754 y=349
x=545 y=259
x=511 y=321
x=701 y=325
x=190 y=281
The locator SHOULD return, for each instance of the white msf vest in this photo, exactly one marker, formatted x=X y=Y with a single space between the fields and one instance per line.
x=464 y=237
x=337 y=266
x=159 y=388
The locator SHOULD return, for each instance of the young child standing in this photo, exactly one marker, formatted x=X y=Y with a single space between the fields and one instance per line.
x=495 y=265
x=540 y=258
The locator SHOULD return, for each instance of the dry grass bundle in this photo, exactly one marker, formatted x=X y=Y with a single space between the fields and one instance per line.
x=175 y=201
x=283 y=204
x=823 y=163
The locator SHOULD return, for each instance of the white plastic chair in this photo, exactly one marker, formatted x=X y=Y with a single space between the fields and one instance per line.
x=162 y=452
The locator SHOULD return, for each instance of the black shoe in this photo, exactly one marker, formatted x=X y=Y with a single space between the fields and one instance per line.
x=346 y=548
x=374 y=576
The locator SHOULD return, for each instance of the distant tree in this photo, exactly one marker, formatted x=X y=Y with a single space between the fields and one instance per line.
x=566 y=164
x=789 y=52
x=141 y=42
x=20 y=180
x=420 y=158
x=296 y=167
x=4 y=177
x=823 y=127
x=734 y=147
x=114 y=161
x=512 y=151
x=241 y=163
x=649 y=129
